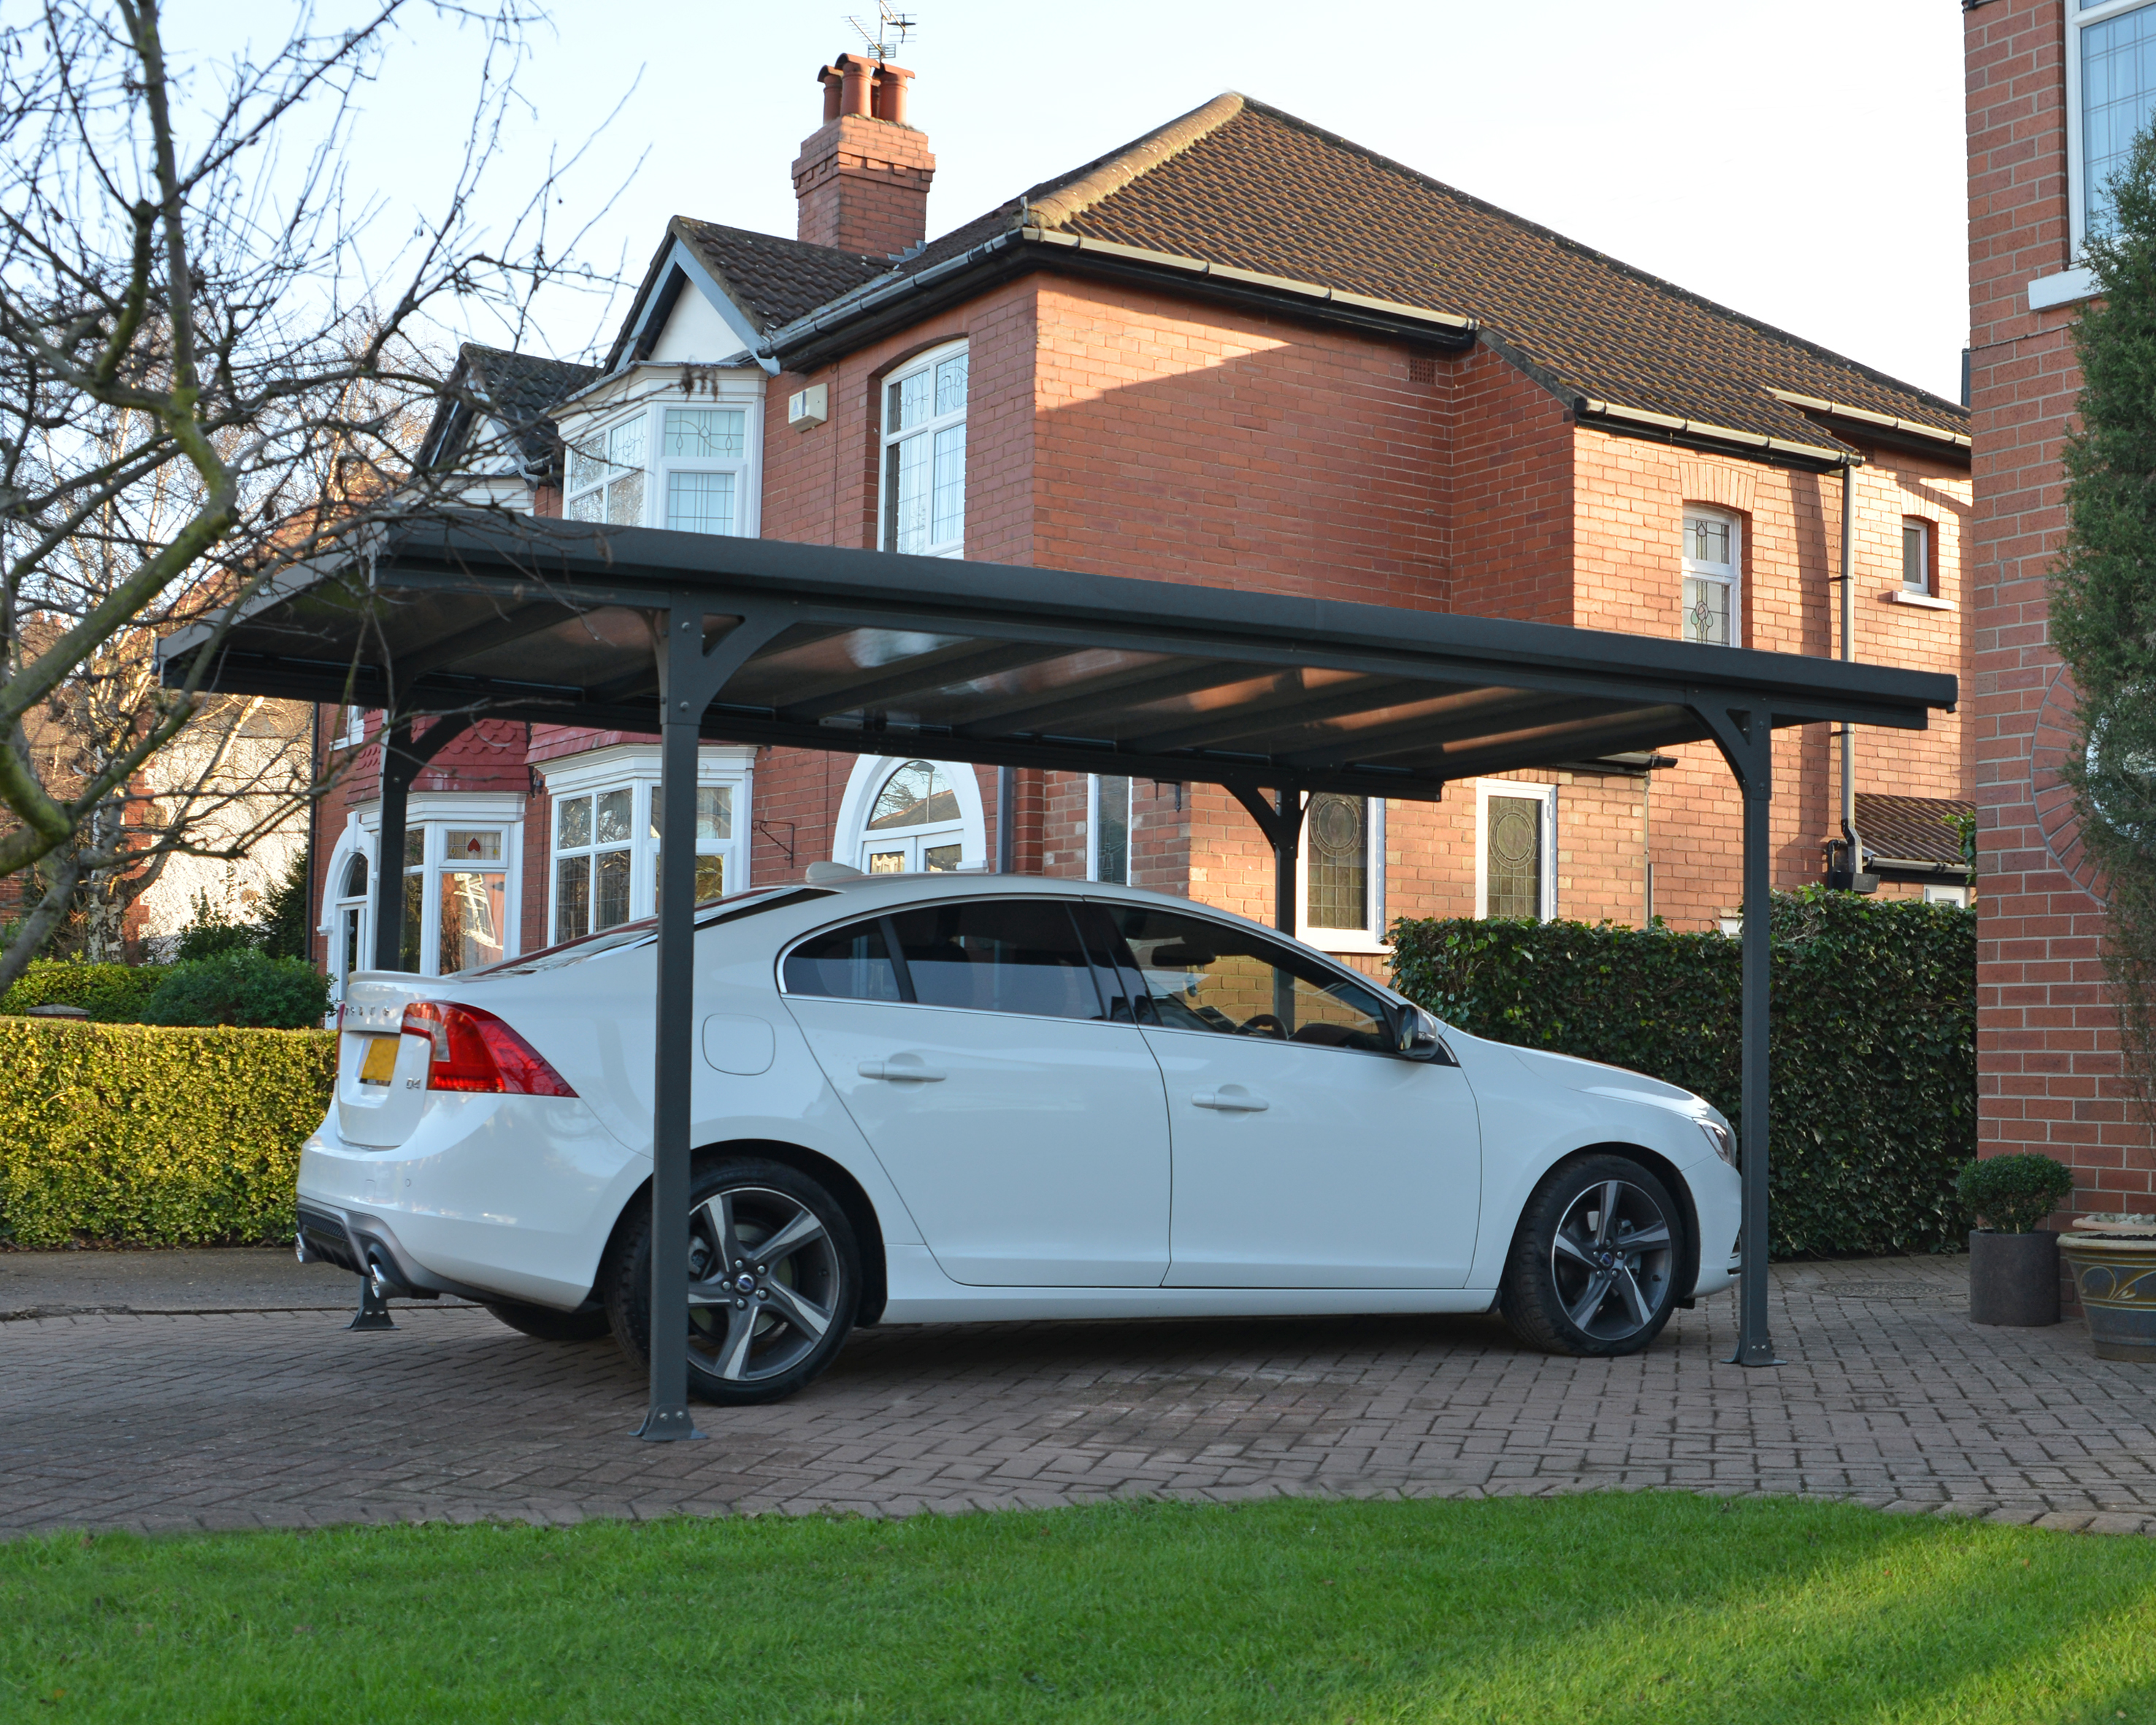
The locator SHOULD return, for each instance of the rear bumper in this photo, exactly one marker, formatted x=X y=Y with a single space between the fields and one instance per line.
x=489 y=1197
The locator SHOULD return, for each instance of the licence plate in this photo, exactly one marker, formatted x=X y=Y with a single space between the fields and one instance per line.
x=380 y=1065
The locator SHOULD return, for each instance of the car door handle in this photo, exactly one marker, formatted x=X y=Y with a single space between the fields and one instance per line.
x=900 y=1069
x=1233 y=1099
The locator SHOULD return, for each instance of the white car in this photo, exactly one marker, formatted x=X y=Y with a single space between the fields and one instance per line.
x=929 y=1098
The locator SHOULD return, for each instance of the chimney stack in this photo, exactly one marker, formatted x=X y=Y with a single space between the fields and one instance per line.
x=861 y=180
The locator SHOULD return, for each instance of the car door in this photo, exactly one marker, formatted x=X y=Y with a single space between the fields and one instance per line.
x=1027 y=1132
x=1306 y=1153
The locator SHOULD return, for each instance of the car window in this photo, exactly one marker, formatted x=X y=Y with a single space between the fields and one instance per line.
x=852 y=963
x=1206 y=975
x=998 y=955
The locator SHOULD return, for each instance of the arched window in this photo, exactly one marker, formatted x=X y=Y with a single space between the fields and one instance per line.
x=902 y=816
x=348 y=918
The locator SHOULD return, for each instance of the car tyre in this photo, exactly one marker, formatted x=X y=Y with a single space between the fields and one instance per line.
x=774 y=1280
x=550 y=1325
x=1593 y=1266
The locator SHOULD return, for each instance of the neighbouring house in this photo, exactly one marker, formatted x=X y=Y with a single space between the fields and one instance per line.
x=2057 y=92
x=1240 y=352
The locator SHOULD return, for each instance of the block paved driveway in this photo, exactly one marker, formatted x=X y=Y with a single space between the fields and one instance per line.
x=194 y=1405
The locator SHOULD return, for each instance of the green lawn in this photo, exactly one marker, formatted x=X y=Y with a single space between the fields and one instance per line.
x=1661 y=1607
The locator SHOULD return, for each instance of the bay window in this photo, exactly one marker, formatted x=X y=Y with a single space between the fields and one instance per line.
x=924 y=454
x=703 y=453
x=608 y=830
x=605 y=477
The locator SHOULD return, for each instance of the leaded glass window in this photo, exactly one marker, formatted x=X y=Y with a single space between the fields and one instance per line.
x=1512 y=858
x=1711 y=556
x=1336 y=840
x=924 y=502
x=1111 y=837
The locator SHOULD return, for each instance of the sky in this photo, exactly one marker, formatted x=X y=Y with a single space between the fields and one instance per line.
x=1804 y=165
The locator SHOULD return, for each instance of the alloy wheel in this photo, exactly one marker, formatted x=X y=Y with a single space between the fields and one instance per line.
x=1611 y=1259
x=764 y=1283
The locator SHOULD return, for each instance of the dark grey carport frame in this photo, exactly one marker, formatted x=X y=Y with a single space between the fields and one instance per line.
x=759 y=642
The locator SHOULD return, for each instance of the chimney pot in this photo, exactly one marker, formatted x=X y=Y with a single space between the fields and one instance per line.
x=861 y=180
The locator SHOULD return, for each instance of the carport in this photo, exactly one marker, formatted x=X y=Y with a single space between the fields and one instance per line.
x=756 y=641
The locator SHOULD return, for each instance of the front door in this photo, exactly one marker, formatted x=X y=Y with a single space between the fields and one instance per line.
x=1027 y=1133
x=1307 y=1154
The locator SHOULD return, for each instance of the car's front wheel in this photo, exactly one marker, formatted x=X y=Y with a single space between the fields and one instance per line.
x=774 y=1277
x=1593 y=1266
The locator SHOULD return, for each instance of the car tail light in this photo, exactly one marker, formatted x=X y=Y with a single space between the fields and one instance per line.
x=473 y=1050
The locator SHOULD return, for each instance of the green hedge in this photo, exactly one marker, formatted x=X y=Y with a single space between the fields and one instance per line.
x=112 y=994
x=131 y=1135
x=1872 y=1048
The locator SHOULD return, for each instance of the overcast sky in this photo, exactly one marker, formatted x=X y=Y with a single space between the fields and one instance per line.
x=1804 y=165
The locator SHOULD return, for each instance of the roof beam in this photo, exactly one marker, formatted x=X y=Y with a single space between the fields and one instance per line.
x=1134 y=689
x=921 y=674
x=1470 y=713
x=496 y=631
x=1362 y=694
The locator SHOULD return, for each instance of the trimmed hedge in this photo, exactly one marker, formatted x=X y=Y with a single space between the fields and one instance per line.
x=1872 y=1046
x=112 y=994
x=131 y=1135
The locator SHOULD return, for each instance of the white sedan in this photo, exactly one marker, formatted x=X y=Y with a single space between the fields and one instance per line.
x=934 y=1098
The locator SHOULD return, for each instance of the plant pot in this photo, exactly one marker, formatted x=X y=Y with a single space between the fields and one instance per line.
x=2013 y=1278
x=2117 y=1280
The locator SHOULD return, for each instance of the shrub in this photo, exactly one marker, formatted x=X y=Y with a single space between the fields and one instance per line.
x=135 y=1135
x=2014 y=1192
x=285 y=922
x=1872 y=1045
x=112 y=994
x=209 y=931
x=241 y=986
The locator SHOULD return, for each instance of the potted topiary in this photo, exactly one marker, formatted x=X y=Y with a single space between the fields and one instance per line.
x=2013 y=1265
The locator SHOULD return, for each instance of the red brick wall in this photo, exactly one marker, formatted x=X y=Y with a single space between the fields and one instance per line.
x=2048 y=1069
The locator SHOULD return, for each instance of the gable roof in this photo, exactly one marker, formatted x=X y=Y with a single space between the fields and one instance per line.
x=517 y=390
x=769 y=280
x=1239 y=184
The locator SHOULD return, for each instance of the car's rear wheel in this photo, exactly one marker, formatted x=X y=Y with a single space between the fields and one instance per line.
x=1593 y=1266
x=549 y=1325
x=774 y=1277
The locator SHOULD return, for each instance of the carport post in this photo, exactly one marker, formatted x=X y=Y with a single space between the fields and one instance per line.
x=689 y=676
x=1747 y=741
x=404 y=756
x=1280 y=820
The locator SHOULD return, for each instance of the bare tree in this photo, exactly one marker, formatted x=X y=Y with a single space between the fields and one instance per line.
x=206 y=375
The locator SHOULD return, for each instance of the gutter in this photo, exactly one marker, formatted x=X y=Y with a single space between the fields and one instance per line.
x=1864 y=416
x=887 y=292
x=1587 y=407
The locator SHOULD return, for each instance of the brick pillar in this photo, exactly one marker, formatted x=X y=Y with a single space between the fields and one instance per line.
x=861 y=181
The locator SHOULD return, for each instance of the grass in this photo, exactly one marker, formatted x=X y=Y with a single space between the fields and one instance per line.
x=1635 y=1607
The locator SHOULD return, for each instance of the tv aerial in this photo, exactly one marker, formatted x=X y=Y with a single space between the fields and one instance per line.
x=892 y=29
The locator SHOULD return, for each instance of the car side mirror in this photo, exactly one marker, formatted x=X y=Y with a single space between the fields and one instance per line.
x=1415 y=1035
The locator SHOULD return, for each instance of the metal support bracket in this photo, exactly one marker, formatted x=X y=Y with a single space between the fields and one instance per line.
x=373 y=1312
x=1746 y=738
x=1280 y=819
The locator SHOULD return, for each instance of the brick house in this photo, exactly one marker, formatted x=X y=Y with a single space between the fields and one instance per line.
x=2055 y=95
x=1242 y=352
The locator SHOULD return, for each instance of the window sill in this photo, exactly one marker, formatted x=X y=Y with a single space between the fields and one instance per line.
x=1344 y=941
x=1929 y=601
x=2064 y=287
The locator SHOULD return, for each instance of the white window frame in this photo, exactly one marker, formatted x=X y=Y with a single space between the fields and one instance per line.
x=1942 y=893
x=1729 y=574
x=355 y=841
x=603 y=435
x=1484 y=789
x=352 y=730
x=742 y=466
x=927 y=428
x=2079 y=19
x=850 y=831
x=1927 y=555
x=1093 y=828
x=635 y=768
x=432 y=814
x=1369 y=938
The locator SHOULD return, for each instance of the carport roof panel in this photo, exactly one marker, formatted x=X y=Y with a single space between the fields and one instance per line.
x=552 y=621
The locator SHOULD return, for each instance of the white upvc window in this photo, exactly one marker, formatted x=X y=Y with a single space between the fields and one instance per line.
x=1713 y=600
x=703 y=469
x=924 y=454
x=1917 y=544
x=350 y=915
x=2111 y=88
x=351 y=727
x=1341 y=874
x=607 y=831
x=1515 y=849
x=462 y=869
x=1108 y=825
x=605 y=480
